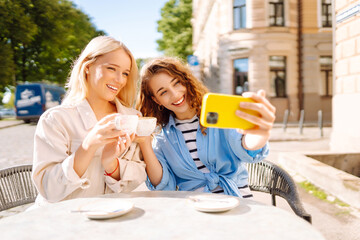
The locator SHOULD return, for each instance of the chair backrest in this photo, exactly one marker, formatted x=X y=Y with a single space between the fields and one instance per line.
x=16 y=187
x=267 y=177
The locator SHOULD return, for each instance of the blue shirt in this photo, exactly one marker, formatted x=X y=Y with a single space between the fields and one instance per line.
x=220 y=150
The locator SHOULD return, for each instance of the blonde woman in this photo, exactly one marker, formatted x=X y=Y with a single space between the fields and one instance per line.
x=185 y=155
x=78 y=152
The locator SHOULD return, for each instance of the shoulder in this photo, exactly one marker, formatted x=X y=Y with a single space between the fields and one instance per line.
x=59 y=112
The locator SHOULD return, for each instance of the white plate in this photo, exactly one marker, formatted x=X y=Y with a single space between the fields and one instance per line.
x=106 y=208
x=209 y=203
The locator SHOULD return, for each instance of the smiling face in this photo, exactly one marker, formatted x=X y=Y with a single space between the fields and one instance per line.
x=172 y=94
x=108 y=75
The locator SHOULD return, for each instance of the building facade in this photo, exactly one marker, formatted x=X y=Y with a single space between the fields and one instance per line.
x=281 y=46
x=346 y=114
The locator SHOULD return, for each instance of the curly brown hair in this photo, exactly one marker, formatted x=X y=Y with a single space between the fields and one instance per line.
x=176 y=69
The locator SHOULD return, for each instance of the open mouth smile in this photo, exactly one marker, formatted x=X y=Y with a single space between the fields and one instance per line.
x=180 y=101
x=112 y=87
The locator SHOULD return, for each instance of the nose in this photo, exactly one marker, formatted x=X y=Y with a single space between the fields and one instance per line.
x=120 y=78
x=174 y=93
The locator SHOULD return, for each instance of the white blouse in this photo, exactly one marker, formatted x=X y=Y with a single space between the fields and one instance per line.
x=59 y=133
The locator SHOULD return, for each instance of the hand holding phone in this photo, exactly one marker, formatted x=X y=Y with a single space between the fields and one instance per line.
x=218 y=110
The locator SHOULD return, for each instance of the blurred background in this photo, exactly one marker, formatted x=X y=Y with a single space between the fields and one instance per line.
x=304 y=53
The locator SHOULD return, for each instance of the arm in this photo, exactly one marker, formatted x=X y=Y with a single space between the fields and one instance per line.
x=256 y=138
x=60 y=162
x=54 y=153
x=161 y=173
x=105 y=134
x=153 y=167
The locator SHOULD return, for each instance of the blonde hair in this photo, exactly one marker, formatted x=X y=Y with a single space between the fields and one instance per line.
x=177 y=69
x=98 y=46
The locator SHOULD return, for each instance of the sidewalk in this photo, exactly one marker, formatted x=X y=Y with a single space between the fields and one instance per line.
x=310 y=132
x=9 y=122
x=289 y=149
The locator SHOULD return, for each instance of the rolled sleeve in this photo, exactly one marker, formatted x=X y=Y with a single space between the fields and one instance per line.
x=168 y=178
x=165 y=183
x=69 y=172
x=251 y=156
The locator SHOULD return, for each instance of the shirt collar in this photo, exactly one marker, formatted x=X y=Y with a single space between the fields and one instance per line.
x=87 y=114
x=170 y=123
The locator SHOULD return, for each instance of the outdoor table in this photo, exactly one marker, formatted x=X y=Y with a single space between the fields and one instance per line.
x=158 y=215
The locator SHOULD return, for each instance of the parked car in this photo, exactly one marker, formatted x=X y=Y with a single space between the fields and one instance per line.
x=32 y=100
x=6 y=113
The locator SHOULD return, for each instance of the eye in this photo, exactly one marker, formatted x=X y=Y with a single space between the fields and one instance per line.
x=162 y=93
x=177 y=82
x=126 y=74
x=111 y=68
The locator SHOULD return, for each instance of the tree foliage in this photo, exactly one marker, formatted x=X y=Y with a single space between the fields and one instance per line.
x=39 y=39
x=176 y=29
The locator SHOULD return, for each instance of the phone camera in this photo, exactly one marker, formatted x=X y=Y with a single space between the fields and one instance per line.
x=212 y=117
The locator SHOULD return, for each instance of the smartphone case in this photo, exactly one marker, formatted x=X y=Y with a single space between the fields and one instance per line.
x=223 y=107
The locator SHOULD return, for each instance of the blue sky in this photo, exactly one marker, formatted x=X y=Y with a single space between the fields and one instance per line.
x=134 y=22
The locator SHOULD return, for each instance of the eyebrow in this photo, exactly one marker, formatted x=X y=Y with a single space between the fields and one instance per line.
x=163 y=88
x=116 y=66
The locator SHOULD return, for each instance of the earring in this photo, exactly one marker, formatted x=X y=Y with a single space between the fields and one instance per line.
x=160 y=107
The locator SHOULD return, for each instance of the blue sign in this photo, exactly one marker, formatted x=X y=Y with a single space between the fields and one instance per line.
x=192 y=60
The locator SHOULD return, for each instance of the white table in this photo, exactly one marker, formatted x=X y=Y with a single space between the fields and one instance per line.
x=158 y=215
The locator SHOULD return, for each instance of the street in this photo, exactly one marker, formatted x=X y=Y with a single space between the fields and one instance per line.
x=16 y=145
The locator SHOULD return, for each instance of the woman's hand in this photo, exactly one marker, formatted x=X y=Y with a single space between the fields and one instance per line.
x=102 y=133
x=142 y=139
x=257 y=137
x=116 y=148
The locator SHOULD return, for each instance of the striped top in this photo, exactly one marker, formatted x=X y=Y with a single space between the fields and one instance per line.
x=189 y=127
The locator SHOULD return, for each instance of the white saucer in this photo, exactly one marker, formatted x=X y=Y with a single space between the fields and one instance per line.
x=106 y=208
x=209 y=203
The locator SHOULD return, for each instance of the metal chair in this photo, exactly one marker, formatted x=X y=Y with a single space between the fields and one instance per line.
x=16 y=187
x=267 y=177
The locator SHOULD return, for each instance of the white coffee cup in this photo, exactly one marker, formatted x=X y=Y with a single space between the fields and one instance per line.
x=126 y=123
x=146 y=126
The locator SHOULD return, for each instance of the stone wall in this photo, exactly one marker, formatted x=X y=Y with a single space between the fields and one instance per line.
x=346 y=110
x=349 y=163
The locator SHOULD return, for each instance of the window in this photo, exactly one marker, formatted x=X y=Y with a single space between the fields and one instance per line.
x=326 y=75
x=276 y=13
x=278 y=75
x=239 y=14
x=241 y=67
x=326 y=13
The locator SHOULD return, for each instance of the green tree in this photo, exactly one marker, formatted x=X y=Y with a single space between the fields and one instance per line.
x=42 y=38
x=7 y=66
x=176 y=29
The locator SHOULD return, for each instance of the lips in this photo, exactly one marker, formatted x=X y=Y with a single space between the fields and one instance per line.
x=180 y=101
x=112 y=87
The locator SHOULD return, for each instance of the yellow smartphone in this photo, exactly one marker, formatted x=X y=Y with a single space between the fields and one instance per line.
x=218 y=111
